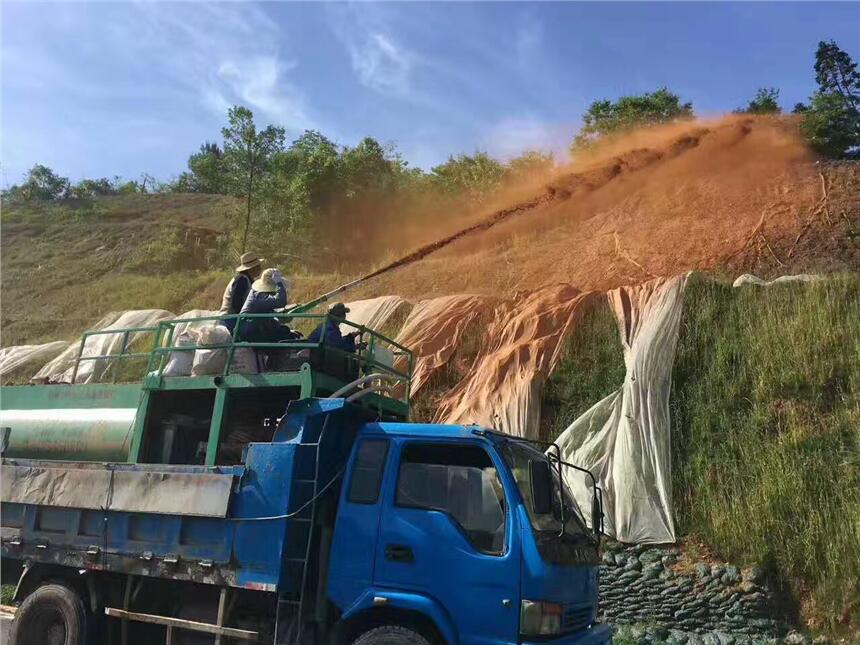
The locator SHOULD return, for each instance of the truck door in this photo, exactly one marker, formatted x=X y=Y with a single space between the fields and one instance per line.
x=446 y=533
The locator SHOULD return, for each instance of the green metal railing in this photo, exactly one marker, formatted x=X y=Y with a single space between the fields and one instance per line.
x=165 y=331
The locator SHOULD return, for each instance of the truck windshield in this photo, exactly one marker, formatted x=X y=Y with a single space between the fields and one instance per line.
x=518 y=455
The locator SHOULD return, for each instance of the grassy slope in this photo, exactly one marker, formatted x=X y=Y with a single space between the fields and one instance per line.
x=65 y=266
x=767 y=424
x=766 y=416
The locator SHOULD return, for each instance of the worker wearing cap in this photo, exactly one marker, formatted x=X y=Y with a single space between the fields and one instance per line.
x=237 y=290
x=268 y=293
x=332 y=337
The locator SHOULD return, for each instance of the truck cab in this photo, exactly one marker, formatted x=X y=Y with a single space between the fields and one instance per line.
x=437 y=529
x=291 y=506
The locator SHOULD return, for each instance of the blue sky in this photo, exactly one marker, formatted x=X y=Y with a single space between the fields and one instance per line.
x=98 y=89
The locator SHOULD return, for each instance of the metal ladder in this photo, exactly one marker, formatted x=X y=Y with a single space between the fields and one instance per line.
x=294 y=606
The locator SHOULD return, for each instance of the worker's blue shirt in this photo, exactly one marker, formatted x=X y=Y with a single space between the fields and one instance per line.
x=333 y=337
x=258 y=302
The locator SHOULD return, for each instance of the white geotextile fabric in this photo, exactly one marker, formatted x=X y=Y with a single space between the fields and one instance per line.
x=60 y=369
x=372 y=313
x=749 y=278
x=12 y=358
x=625 y=439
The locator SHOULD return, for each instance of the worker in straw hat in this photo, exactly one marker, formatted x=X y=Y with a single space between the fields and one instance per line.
x=236 y=293
x=268 y=294
x=329 y=330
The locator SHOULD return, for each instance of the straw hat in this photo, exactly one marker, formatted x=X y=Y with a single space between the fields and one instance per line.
x=338 y=310
x=265 y=283
x=249 y=261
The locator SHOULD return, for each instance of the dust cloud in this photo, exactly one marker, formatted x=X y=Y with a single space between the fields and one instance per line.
x=654 y=202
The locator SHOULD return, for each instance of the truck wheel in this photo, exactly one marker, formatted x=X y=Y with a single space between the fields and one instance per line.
x=391 y=635
x=52 y=615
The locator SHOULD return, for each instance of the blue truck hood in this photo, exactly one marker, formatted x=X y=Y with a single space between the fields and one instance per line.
x=573 y=585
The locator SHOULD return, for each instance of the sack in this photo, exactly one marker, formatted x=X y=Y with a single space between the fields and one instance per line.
x=211 y=361
x=179 y=363
x=244 y=361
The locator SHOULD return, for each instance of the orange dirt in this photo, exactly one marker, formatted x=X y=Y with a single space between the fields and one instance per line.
x=737 y=194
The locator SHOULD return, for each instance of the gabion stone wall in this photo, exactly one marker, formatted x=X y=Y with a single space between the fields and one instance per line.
x=647 y=590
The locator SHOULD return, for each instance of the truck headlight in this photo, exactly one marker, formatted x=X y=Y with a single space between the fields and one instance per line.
x=539 y=618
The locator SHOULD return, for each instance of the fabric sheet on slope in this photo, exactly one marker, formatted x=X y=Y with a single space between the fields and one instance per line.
x=749 y=278
x=433 y=330
x=60 y=369
x=372 y=313
x=13 y=358
x=624 y=440
x=503 y=388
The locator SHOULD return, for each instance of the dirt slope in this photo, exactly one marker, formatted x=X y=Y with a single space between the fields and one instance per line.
x=736 y=194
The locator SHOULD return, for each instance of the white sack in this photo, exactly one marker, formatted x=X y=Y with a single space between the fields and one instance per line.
x=179 y=363
x=624 y=440
x=244 y=361
x=60 y=369
x=211 y=361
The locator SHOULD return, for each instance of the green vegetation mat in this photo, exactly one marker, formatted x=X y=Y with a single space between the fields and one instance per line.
x=766 y=420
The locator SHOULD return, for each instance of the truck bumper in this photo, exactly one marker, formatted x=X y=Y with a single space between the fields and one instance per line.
x=598 y=634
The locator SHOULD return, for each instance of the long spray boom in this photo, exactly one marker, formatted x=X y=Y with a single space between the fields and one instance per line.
x=307 y=306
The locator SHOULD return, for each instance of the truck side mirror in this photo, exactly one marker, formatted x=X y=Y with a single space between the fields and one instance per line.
x=596 y=515
x=541 y=487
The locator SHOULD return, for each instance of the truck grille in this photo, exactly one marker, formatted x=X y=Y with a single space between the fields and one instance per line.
x=576 y=617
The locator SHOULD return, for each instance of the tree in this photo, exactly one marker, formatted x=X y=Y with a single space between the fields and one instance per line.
x=836 y=72
x=87 y=188
x=764 y=102
x=531 y=164
x=473 y=176
x=832 y=121
x=41 y=184
x=247 y=156
x=367 y=168
x=799 y=108
x=207 y=170
x=605 y=117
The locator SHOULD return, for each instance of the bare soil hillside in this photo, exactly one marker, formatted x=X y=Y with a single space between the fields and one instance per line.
x=739 y=194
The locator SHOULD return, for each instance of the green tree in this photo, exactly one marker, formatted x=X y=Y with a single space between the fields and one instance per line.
x=208 y=173
x=367 y=168
x=531 y=164
x=604 y=118
x=248 y=156
x=766 y=101
x=471 y=175
x=41 y=184
x=832 y=122
x=87 y=188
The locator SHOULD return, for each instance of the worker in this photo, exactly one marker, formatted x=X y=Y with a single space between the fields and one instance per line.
x=268 y=293
x=237 y=290
x=331 y=325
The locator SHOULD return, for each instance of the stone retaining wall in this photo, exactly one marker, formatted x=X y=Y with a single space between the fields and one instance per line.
x=671 y=602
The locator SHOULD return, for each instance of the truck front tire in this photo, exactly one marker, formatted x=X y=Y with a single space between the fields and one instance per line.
x=391 y=635
x=52 y=615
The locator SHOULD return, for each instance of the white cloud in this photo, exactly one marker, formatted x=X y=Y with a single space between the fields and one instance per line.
x=226 y=53
x=379 y=61
x=380 y=64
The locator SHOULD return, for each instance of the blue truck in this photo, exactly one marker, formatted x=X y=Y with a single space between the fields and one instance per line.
x=291 y=506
